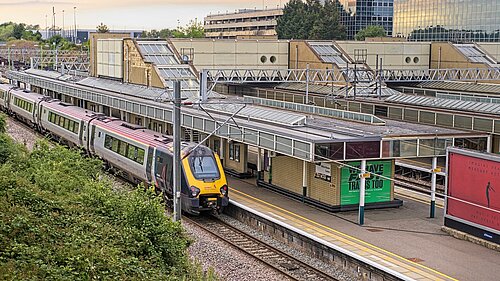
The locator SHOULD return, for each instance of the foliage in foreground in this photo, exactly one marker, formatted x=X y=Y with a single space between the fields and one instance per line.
x=59 y=221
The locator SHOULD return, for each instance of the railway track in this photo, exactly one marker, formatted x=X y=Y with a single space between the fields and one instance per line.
x=282 y=262
x=420 y=188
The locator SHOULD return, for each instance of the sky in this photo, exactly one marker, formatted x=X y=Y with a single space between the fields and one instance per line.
x=122 y=14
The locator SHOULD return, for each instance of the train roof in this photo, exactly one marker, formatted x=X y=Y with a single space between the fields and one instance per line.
x=139 y=133
x=25 y=94
x=74 y=111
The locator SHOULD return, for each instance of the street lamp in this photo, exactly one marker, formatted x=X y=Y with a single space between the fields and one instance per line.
x=10 y=60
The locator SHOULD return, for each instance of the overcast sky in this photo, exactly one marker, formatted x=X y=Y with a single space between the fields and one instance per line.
x=122 y=14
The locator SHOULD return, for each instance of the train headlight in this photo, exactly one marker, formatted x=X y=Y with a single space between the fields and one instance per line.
x=195 y=191
x=223 y=190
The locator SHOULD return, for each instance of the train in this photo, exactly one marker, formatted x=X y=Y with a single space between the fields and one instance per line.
x=141 y=155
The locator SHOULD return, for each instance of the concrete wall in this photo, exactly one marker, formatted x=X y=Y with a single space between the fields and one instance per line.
x=136 y=70
x=301 y=55
x=110 y=58
x=492 y=49
x=231 y=164
x=287 y=173
x=93 y=47
x=395 y=55
x=230 y=53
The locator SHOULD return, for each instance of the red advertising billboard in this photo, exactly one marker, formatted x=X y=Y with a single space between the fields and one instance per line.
x=474 y=188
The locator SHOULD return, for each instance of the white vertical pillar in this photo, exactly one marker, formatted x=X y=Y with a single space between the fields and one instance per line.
x=433 y=187
x=304 y=180
x=362 y=186
x=488 y=144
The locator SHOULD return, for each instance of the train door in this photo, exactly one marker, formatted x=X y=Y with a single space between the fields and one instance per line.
x=149 y=164
x=80 y=134
x=163 y=171
x=92 y=138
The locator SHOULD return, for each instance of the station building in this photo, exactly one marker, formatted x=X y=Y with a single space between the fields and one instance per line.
x=310 y=151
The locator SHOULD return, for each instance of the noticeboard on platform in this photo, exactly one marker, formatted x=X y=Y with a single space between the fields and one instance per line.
x=473 y=191
x=378 y=189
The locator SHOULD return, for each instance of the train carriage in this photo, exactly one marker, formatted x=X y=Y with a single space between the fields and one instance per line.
x=4 y=95
x=65 y=121
x=122 y=145
x=24 y=105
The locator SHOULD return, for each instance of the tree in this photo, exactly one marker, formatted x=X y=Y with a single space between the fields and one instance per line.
x=102 y=28
x=18 y=30
x=370 y=31
x=310 y=20
x=328 y=25
x=290 y=24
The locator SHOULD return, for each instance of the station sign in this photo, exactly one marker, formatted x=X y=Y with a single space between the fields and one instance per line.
x=474 y=192
x=323 y=171
x=377 y=189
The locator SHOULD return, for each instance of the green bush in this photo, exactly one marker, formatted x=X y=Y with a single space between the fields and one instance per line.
x=59 y=221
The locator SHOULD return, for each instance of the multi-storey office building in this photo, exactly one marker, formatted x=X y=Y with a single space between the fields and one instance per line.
x=244 y=23
x=358 y=14
x=450 y=20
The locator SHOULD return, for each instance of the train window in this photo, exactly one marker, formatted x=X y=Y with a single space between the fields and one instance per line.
x=132 y=152
x=203 y=165
x=99 y=135
x=107 y=142
x=61 y=122
x=71 y=126
x=77 y=126
x=140 y=156
x=114 y=145
x=123 y=148
x=56 y=121
x=66 y=124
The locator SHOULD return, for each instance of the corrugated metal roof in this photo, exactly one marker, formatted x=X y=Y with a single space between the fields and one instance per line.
x=140 y=91
x=446 y=103
x=460 y=86
x=260 y=113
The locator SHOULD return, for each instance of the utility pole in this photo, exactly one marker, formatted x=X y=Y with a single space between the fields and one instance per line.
x=177 y=151
x=74 y=21
x=307 y=84
x=53 y=21
x=62 y=31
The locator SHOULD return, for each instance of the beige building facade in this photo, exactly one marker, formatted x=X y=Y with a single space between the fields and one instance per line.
x=234 y=53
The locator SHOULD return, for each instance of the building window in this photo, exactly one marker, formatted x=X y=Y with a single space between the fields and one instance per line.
x=263 y=59
x=231 y=151
x=217 y=146
x=234 y=152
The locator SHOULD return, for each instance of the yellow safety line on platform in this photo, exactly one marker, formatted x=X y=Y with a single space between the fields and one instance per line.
x=346 y=235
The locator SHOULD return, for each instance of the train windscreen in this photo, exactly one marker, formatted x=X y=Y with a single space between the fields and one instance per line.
x=203 y=165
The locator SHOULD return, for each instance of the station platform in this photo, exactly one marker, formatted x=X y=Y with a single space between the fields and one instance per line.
x=404 y=240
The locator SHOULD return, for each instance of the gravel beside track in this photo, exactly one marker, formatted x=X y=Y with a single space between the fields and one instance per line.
x=210 y=252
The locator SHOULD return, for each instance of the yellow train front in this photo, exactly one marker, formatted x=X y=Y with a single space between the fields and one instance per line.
x=203 y=182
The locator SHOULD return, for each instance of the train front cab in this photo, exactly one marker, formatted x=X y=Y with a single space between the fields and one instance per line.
x=203 y=183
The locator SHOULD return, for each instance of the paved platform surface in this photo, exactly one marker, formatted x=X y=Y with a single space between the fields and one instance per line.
x=405 y=240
